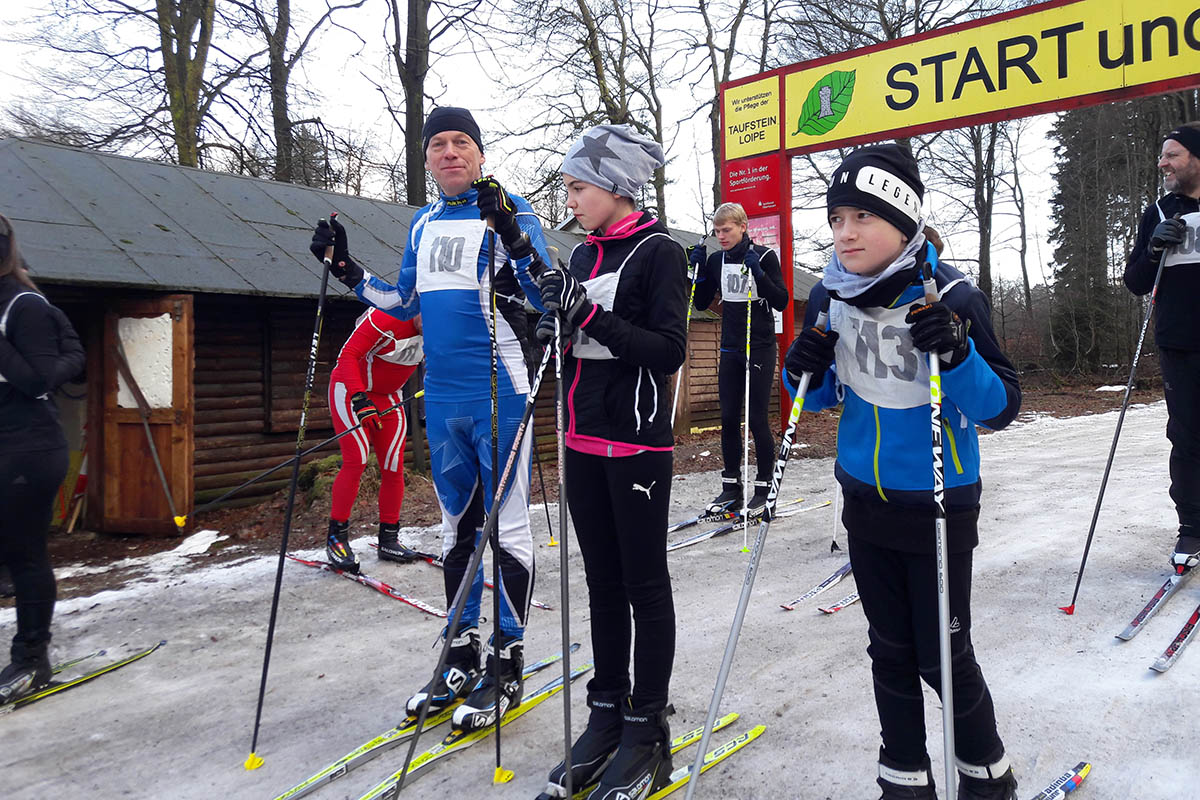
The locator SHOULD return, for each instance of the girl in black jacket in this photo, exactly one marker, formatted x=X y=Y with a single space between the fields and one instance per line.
x=624 y=296
x=39 y=351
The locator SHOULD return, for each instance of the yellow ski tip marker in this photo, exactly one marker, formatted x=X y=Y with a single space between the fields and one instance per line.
x=502 y=776
x=180 y=521
x=253 y=761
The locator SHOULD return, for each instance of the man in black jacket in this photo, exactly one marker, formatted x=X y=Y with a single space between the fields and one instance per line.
x=750 y=280
x=1170 y=232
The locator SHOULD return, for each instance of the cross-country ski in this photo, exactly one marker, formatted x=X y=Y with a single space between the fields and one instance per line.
x=371 y=583
x=833 y=580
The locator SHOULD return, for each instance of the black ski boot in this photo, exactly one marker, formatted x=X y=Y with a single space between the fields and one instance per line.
x=730 y=498
x=905 y=782
x=642 y=764
x=6 y=585
x=390 y=548
x=29 y=671
x=337 y=547
x=759 y=501
x=479 y=709
x=458 y=678
x=593 y=750
x=1187 y=549
x=992 y=782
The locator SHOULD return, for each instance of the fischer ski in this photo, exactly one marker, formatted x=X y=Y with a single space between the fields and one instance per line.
x=1164 y=593
x=845 y=602
x=1175 y=648
x=461 y=739
x=436 y=561
x=1066 y=783
x=373 y=583
x=373 y=748
x=732 y=526
x=724 y=516
x=833 y=580
x=55 y=688
x=682 y=775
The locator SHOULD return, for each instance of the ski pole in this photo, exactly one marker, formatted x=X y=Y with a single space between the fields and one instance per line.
x=560 y=419
x=253 y=761
x=939 y=499
x=687 y=322
x=545 y=500
x=501 y=775
x=746 y=418
x=491 y=521
x=785 y=450
x=144 y=413
x=1112 y=450
x=213 y=503
x=837 y=502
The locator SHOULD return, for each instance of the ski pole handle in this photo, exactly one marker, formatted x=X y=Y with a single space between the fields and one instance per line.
x=329 y=250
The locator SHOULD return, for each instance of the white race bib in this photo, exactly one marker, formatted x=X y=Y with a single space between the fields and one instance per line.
x=737 y=283
x=876 y=356
x=601 y=290
x=448 y=256
x=1187 y=252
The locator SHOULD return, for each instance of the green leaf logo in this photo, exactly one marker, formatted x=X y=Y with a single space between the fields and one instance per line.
x=826 y=104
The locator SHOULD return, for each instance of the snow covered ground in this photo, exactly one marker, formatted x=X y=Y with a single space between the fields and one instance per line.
x=178 y=724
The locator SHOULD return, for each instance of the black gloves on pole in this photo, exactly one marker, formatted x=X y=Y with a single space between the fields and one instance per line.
x=330 y=233
x=1167 y=233
x=812 y=351
x=496 y=205
x=365 y=410
x=937 y=329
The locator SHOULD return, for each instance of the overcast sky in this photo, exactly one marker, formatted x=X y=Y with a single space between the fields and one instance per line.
x=342 y=68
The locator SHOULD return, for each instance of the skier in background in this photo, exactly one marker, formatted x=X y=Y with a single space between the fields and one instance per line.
x=1177 y=327
x=375 y=362
x=39 y=351
x=746 y=275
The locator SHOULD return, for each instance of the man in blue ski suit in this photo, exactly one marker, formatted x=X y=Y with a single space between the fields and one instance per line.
x=448 y=238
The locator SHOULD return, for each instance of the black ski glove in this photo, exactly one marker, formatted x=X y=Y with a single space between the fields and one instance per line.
x=545 y=329
x=365 y=410
x=697 y=255
x=937 y=329
x=1167 y=233
x=812 y=351
x=331 y=233
x=495 y=204
x=562 y=292
x=752 y=262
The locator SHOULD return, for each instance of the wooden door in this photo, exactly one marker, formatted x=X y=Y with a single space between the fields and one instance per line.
x=156 y=335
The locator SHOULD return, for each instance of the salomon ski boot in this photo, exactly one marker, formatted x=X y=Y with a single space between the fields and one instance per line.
x=758 y=502
x=594 y=748
x=504 y=669
x=992 y=782
x=390 y=548
x=1187 y=550
x=29 y=671
x=642 y=763
x=730 y=498
x=458 y=677
x=901 y=782
x=337 y=547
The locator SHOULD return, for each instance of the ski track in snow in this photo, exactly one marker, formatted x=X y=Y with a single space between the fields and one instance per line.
x=179 y=723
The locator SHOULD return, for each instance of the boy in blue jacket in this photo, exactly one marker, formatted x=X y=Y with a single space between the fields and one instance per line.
x=873 y=359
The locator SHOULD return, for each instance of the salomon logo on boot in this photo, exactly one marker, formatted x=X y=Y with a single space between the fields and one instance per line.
x=457 y=679
x=502 y=677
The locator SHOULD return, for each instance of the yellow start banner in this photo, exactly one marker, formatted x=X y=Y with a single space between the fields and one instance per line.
x=1038 y=61
x=751 y=118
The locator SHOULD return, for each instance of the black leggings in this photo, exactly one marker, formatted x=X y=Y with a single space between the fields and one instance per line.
x=731 y=388
x=899 y=597
x=619 y=509
x=1181 y=380
x=28 y=484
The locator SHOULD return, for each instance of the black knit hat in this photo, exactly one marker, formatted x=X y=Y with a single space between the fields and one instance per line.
x=882 y=179
x=450 y=118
